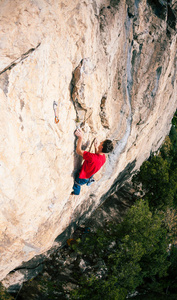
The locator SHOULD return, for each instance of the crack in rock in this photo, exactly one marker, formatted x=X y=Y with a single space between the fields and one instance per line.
x=20 y=59
x=103 y=117
x=83 y=112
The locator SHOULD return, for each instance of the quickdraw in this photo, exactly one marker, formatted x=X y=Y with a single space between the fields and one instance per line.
x=55 y=108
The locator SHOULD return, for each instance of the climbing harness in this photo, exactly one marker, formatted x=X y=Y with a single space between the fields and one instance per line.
x=90 y=181
x=55 y=108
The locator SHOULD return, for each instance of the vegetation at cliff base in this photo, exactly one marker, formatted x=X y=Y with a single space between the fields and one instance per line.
x=130 y=253
x=4 y=295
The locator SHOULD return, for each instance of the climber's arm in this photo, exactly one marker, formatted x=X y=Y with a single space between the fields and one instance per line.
x=96 y=145
x=79 y=134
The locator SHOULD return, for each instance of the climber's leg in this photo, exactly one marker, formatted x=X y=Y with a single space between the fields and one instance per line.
x=77 y=185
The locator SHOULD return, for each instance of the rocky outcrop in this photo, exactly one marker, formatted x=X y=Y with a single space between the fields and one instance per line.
x=111 y=68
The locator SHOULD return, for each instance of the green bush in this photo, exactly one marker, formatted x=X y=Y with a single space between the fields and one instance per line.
x=130 y=252
x=4 y=295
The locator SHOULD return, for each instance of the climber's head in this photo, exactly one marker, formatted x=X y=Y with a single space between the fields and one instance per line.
x=107 y=146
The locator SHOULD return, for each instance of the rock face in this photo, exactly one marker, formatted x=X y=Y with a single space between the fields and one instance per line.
x=111 y=67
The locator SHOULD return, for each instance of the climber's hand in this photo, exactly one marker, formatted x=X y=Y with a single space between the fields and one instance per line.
x=79 y=133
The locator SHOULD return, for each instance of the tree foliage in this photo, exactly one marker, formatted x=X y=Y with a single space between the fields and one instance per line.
x=130 y=252
x=4 y=295
x=156 y=182
x=158 y=175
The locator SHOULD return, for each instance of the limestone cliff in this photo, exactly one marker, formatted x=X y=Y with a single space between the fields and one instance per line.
x=111 y=67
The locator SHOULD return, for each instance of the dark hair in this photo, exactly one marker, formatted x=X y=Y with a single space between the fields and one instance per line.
x=107 y=146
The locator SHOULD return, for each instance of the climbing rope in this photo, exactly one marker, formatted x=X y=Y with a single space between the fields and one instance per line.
x=82 y=124
x=92 y=144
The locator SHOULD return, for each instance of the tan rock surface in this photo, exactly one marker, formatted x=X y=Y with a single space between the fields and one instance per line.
x=113 y=62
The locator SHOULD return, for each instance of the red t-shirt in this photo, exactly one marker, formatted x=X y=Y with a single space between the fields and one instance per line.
x=93 y=162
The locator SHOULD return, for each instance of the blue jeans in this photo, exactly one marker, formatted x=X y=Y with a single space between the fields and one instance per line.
x=79 y=182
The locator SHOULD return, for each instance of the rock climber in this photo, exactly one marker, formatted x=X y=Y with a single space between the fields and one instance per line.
x=92 y=161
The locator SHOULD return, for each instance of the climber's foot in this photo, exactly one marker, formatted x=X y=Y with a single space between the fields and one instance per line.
x=72 y=193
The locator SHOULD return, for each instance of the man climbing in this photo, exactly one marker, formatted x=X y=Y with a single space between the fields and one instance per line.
x=92 y=161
